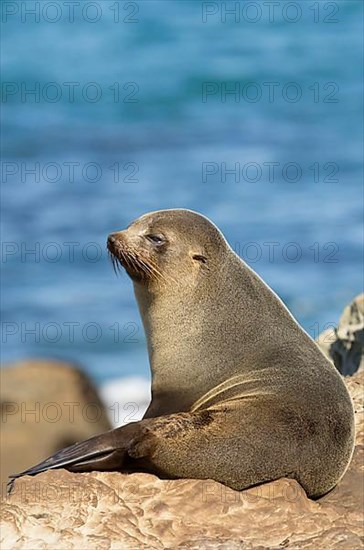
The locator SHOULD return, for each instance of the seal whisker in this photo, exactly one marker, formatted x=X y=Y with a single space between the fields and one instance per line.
x=142 y=266
x=112 y=259
x=118 y=264
x=131 y=259
x=125 y=258
x=168 y=278
x=134 y=263
x=160 y=276
x=146 y=268
x=150 y=268
x=154 y=268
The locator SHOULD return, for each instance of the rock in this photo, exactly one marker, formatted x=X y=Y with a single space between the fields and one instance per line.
x=344 y=345
x=58 y=509
x=45 y=406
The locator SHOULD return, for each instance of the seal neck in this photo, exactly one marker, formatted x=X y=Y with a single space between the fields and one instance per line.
x=194 y=340
x=200 y=336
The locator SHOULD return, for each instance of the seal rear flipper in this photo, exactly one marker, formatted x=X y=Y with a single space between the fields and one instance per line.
x=103 y=452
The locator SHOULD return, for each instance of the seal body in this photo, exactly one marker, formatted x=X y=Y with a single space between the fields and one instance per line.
x=240 y=393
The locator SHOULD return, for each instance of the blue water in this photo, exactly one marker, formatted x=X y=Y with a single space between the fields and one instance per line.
x=169 y=142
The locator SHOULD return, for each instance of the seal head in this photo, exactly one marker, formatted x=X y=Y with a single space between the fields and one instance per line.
x=154 y=246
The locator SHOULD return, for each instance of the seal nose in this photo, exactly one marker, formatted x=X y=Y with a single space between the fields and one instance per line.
x=111 y=242
x=114 y=240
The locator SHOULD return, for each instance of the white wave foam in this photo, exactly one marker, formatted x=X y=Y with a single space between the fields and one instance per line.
x=126 y=399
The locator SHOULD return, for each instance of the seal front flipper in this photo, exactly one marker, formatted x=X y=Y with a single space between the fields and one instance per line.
x=102 y=452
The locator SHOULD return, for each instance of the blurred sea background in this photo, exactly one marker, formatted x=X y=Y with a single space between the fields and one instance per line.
x=143 y=145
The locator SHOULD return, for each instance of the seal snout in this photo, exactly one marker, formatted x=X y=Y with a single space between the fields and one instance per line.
x=111 y=241
x=123 y=255
x=115 y=248
x=114 y=243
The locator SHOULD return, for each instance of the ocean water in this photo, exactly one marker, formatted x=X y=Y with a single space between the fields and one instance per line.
x=256 y=124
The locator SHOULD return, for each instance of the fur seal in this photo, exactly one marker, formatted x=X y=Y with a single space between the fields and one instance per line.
x=240 y=393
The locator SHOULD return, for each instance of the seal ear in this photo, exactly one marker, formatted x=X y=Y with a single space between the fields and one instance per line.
x=199 y=258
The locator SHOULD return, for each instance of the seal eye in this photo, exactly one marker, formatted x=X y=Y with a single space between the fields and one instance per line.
x=155 y=239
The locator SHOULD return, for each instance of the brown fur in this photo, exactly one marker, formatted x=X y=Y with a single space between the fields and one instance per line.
x=240 y=393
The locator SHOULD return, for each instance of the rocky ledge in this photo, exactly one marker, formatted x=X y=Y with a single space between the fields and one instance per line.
x=115 y=511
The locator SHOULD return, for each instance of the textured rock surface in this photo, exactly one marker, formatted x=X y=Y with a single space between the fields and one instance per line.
x=45 y=405
x=344 y=345
x=57 y=510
